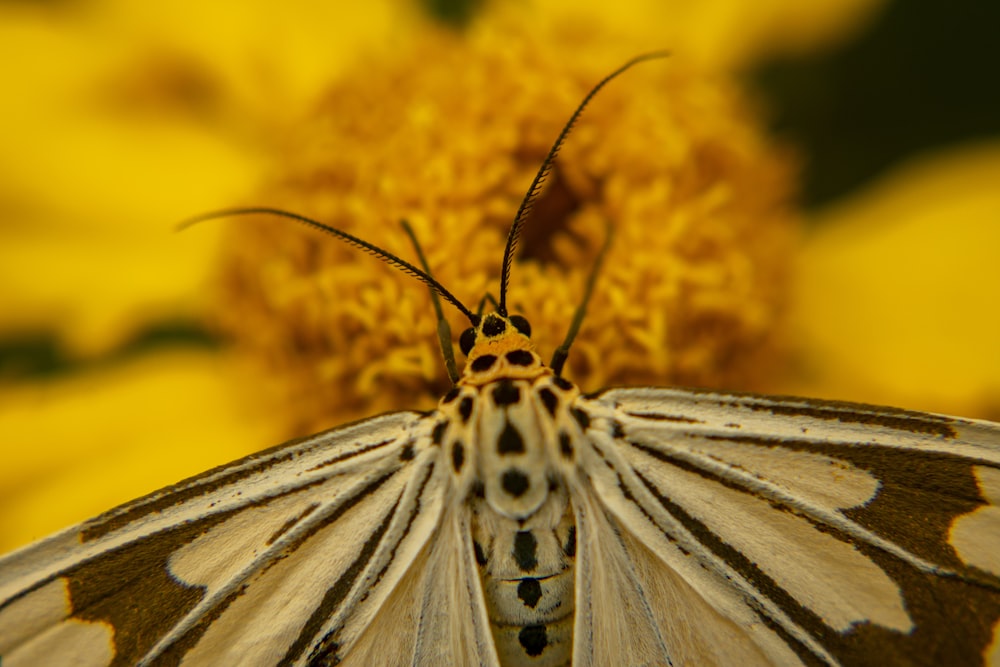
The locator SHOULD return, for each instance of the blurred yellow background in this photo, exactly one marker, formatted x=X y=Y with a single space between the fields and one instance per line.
x=120 y=119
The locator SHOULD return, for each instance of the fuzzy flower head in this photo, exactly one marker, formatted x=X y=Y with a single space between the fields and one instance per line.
x=447 y=133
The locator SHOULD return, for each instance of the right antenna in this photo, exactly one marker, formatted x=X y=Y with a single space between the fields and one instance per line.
x=536 y=185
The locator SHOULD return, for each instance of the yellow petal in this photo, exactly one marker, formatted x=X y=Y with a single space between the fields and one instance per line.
x=899 y=285
x=75 y=447
x=120 y=120
x=724 y=34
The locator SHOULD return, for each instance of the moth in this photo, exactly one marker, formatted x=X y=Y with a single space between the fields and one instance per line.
x=525 y=523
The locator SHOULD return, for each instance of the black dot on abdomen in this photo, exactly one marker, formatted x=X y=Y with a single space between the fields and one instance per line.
x=529 y=591
x=514 y=482
x=533 y=639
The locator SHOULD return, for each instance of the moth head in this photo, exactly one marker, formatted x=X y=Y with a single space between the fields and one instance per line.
x=499 y=347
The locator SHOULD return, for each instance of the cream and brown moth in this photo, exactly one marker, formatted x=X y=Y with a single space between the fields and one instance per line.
x=524 y=523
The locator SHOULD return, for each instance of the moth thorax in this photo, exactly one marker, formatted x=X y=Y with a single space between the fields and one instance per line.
x=513 y=458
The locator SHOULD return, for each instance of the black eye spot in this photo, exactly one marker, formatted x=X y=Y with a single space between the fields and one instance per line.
x=529 y=591
x=438 y=434
x=520 y=358
x=525 y=550
x=450 y=396
x=493 y=326
x=521 y=325
x=506 y=393
x=510 y=441
x=465 y=409
x=582 y=418
x=617 y=430
x=533 y=639
x=484 y=363
x=565 y=445
x=514 y=482
x=467 y=340
x=457 y=455
x=549 y=400
x=407 y=453
x=570 y=547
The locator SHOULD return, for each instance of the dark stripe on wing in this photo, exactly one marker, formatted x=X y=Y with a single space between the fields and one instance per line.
x=324 y=650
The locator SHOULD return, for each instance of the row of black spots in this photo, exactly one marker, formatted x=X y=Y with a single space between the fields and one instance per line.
x=549 y=400
x=565 y=444
x=514 y=482
x=529 y=592
x=457 y=456
x=407 y=453
x=525 y=550
x=533 y=639
x=485 y=362
x=569 y=548
x=510 y=441
x=506 y=393
x=477 y=548
x=582 y=417
x=451 y=395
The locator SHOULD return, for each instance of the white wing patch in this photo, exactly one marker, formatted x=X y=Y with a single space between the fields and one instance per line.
x=33 y=631
x=976 y=536
x=807 y=562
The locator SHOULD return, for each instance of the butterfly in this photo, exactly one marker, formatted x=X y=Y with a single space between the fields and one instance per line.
x=525 y=523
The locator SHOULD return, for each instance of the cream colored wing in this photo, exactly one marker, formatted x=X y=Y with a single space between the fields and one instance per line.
x=819 y=532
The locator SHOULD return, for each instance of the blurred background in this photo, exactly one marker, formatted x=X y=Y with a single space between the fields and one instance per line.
x=111 y=379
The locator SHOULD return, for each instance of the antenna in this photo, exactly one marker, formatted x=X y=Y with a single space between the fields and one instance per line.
x=529 y=198
x=384 y=255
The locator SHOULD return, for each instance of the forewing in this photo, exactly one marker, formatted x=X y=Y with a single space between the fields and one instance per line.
x=836 y=532
x=249 y=563
x=437 y=615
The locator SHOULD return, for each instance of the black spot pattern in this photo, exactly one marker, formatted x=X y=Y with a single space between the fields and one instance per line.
x=451 y=395
x=529 y=591
x=484 y=363
x=480 y=555
x=505 y=393
x=465 y=409
x=565 y=444
x=582 y=418
x=514 y=482
x=549 y=400
x=525 y=550
x=457 y=455
x=510 y=441
x=438 y=434
x=407 y=453
x=520 y=358
x=533 y=639
x=562 y=383
x=570 y=547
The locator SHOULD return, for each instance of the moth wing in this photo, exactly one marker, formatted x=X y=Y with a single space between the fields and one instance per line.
x=256 y=562
x=829 y=531
x=437 y=615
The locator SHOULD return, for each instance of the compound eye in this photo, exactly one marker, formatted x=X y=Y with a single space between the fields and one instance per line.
x=521 y=324
x=467 y=340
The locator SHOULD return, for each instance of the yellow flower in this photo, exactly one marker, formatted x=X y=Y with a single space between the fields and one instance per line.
x=690 y=292
x=896 y=292
x=124 y=121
